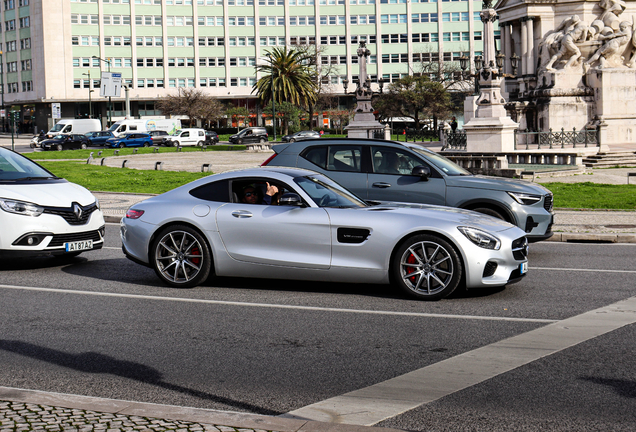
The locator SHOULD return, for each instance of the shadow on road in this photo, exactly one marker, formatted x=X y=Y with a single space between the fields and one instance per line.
x=96 y=363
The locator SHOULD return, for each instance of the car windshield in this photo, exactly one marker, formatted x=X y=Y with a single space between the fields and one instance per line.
x=176 y=133
x=114 y=127
x=327 y=193
x=60 y=136
x=17 y=167
x=58 y=127
x=448 y=167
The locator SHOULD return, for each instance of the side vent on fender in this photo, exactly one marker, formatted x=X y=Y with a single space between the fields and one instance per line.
x=352 y=235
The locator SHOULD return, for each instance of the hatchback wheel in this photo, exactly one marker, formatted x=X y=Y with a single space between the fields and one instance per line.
x=200 y=144
x=181 y=257
x=83 y=146
x=490 y=212
x=60 y=147
x=262 y=140
x=239 y=141
x=121 y=145
x=427 y=267
x=147 y=144
x=292 y=140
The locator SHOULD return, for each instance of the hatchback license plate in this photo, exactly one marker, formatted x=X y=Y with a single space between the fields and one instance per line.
x=78 y=245
x=523 y=268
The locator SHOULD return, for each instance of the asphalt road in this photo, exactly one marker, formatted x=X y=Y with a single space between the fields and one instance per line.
x=100 y=325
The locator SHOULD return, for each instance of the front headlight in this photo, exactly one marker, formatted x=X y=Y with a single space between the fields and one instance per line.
x=524 y=198
x=21 y=207
x=480 y=238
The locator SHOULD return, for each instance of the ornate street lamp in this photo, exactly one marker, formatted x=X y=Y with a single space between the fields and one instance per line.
x=269 y=57
x=90 y=90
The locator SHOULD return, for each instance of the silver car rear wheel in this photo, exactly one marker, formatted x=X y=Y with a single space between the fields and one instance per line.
x=181 y=257
x=427 y=267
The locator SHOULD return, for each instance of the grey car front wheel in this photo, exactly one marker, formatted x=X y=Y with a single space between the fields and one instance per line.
x=427 y=267
x=181 y=257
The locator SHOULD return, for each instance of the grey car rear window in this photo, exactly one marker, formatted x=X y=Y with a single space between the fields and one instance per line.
x=218 y=191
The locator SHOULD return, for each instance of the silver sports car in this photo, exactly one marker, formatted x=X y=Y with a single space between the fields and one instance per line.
x=291 y=223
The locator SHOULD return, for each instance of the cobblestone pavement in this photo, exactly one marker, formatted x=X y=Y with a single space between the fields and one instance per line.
x=17 y=416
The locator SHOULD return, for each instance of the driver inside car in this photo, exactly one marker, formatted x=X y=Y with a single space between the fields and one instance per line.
x=252 y=196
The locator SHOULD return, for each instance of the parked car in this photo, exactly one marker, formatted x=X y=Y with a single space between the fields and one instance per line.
x=98 y=138
x=42 y=214
x=301 y=135
x=130 y=140
x=390 y=171
x=314 y=229
x=250 y=135
x=211 y=138
x=186 y=137
x=65 y=142
x=158 y=136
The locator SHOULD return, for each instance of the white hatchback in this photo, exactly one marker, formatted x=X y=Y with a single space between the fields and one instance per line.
x=41 y=214
x=186 y=137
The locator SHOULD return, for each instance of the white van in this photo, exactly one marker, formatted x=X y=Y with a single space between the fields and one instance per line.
x=140 y=125
x=186 y=137
x=74 y=126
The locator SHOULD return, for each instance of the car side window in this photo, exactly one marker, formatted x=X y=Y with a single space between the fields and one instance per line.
x=344 y=158
x=185 y=134
x=388 y=160
x=317 y=156
x=218 y=191
x=255 y=191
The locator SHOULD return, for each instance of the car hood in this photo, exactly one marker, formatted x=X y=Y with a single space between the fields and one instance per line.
x=495 y=183
x=440 y=215
x=58 y=194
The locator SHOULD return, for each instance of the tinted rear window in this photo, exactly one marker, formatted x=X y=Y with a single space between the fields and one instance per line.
x=218 y=191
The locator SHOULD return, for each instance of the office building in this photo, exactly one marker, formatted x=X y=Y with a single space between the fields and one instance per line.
x=55 y=50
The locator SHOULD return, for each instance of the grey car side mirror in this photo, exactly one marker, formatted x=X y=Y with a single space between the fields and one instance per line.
x=421 y=171
x=290 y=199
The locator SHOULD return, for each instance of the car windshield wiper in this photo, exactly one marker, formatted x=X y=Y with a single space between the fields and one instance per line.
x=37 y=178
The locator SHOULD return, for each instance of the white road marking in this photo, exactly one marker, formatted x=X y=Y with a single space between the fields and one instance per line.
x=371 y=405
x=582 y=270
x=281 y=306
x=111 y=247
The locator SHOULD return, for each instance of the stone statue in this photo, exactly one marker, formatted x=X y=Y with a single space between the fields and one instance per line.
x=613 y=8
x=613 y=46
x=567 y=35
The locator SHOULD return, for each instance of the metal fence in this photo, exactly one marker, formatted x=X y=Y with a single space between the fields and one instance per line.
x=526 y=140
x=454 y=140
x=420 y=135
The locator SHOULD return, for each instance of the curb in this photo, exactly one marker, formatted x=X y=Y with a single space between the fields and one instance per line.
x=593 y=237
x=195 y=415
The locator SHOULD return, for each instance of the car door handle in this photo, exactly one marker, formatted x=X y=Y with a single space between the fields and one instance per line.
x=382 y=185
x=242 y=214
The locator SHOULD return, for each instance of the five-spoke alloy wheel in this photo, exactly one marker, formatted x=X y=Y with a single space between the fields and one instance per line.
x=181 y=256
x=427 y=267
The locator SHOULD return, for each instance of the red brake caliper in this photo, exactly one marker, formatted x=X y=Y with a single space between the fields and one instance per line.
x=411 y=260
x=195 y=251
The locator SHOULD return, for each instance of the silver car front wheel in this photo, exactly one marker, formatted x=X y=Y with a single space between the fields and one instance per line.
x=181 y=257
x=427 y=267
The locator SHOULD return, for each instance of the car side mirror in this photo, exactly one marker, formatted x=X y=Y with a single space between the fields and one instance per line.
x=421 y=171
x=290 y=199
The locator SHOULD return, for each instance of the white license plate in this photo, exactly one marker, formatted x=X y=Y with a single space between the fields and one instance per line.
x=523 y=268
x=78 y=245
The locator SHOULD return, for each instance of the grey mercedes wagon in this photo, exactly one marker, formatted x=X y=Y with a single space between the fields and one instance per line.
x=378 y=170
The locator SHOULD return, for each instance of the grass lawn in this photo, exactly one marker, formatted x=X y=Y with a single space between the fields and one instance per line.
x=84 y=154
x=589 y=195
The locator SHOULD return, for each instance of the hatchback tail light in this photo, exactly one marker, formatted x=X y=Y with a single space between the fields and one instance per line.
x=269 y=159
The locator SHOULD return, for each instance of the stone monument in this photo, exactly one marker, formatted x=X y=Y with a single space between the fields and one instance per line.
x=364 y=124
x=584 y=75
x=491 y=130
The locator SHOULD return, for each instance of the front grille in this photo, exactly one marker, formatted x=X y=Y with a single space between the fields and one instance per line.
x=548 y=202
x=520 y=248
x=490 y=269
x=60 y=239
x=70 y=214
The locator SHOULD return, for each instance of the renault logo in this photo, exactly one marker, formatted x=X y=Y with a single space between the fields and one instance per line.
x=77 y=209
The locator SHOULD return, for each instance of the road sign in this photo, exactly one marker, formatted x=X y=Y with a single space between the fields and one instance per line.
x=56 y=110
x=110 y=84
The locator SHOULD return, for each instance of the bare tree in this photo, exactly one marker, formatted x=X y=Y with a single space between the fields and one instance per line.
x=193 y=103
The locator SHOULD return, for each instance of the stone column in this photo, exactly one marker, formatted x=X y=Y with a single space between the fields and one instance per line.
x=506 y=45
x=524 y=46
x=530 y=69
x=488 y=17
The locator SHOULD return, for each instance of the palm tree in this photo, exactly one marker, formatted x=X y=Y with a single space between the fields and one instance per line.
x=288 y=76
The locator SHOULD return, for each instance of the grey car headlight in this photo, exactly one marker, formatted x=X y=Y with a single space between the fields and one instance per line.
x=480 y=238
x=524 y=198
x=21 y=207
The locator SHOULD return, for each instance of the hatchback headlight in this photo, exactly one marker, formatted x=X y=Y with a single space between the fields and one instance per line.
x=480 y=238
x=524 y=198
x=21 y=207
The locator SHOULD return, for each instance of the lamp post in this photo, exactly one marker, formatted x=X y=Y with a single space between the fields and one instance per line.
x=4 y=115
x=269 y=57
x=110 y=116
x=90 y=90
